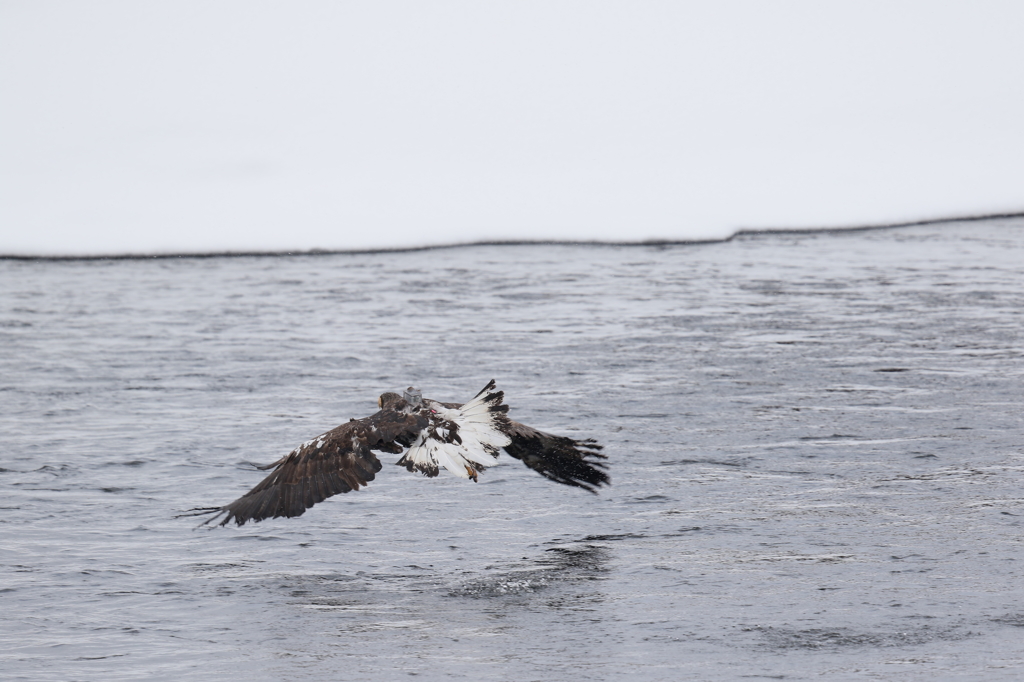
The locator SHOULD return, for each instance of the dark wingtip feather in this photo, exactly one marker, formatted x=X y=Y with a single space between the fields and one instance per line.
x=213 y=512
x=490 y=385
x=558 y=458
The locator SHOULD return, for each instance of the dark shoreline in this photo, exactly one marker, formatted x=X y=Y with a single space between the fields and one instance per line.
x=741 y=233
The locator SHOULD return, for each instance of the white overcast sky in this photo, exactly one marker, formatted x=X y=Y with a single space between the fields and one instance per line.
x=246 y=125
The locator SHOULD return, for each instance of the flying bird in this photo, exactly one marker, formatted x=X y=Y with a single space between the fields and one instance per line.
x=430 y=435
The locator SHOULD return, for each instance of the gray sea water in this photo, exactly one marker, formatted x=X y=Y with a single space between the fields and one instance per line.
x=816 y=447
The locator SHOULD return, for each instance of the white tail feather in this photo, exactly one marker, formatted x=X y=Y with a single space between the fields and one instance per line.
x=478 y=428
x=481 y=456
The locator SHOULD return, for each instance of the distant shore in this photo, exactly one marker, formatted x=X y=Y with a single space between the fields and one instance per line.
x=739 y=233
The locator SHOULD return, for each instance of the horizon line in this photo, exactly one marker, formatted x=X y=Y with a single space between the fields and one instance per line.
x=741 y=232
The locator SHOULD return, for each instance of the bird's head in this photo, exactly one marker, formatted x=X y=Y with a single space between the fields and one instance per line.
x=387 y=400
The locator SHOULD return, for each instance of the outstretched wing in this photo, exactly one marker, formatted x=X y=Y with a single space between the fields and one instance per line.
x=561 y=459
x=336 y=462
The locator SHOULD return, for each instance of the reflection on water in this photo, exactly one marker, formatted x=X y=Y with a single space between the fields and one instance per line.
x=814 y=440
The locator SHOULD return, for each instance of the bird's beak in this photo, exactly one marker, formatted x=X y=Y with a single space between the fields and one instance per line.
x=380 y=402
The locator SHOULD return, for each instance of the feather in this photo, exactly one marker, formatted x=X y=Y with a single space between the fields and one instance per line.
x=448 y=456
x=558 y=458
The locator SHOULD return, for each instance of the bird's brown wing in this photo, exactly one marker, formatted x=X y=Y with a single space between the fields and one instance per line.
x=559 y=458
x=336 y=462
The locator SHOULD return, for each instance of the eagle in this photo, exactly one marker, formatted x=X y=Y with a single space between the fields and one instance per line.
x=463 y=438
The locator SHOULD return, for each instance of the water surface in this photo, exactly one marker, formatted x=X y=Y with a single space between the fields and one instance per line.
x=816 y=449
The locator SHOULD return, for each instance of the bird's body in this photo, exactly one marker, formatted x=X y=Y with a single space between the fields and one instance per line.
x=462 y=438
